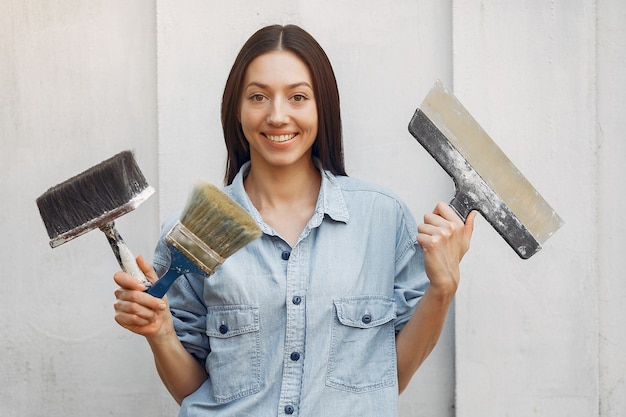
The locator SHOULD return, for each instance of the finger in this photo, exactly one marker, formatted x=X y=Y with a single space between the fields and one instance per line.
x=129 y=320
x=141 y=298
x=450 y=214
x=425 y=241
x=128 y=282
x=433 y=238
x=444 y=210
x=428 y=228
x=437 y=224
x=147 y=269
x=469 y=224
x=135 y=313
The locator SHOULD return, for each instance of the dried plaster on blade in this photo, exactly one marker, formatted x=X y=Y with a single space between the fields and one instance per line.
x=493 y=166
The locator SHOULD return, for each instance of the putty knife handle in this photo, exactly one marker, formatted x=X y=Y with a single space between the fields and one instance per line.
x=123 y=255
x=461 y=204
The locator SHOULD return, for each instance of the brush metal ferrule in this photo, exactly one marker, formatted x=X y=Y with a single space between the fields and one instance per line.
x=104 y=219
x=194 y=248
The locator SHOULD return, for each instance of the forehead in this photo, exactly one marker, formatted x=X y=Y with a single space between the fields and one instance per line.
x=277 y=67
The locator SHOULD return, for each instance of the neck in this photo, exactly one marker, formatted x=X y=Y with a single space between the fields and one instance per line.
x=283 y=186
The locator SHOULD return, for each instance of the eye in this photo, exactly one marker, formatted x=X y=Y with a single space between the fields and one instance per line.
x=257 y=97
x=299 y=97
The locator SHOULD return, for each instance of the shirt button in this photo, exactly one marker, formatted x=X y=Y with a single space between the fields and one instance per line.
x=366 y=319
x=223 y=329
x=285 y=255
x=289 y=409
x=295 y=356
x=296 y=299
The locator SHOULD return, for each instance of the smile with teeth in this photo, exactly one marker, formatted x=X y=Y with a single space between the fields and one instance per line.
x=281 y=138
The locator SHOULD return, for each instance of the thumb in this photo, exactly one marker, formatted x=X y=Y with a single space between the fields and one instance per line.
x=469 y=224
x=147 y=269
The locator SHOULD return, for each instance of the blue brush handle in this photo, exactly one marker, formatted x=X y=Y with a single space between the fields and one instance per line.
x=179 y=265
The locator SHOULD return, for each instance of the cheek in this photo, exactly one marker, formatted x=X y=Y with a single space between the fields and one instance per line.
x=247 y=132
x=244 y=119
x=250 y=116
x=314 y=123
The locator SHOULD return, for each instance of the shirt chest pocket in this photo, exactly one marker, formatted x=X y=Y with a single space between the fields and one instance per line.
x=234 y=362
x=362 y=352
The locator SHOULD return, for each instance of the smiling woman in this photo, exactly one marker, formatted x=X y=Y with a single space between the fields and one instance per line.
x=328 y=147
x=278 y=117
x=278 y=114
x=332 y=310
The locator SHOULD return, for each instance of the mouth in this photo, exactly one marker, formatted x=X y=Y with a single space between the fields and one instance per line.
x=280 y=138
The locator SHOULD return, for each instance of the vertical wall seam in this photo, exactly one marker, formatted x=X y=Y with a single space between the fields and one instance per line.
x=597 y=144
x=597 y=197
x=454 y=311
x=157 y=62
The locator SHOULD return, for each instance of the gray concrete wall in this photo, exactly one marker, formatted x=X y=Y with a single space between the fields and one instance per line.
x=82 y=80
x=77 y=85
x=543 y=337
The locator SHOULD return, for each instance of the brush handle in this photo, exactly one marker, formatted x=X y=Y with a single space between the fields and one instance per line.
x=124 y=256
x=179 y=265
x=164 y=283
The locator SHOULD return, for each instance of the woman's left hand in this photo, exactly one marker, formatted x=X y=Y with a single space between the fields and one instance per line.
x=445 y=239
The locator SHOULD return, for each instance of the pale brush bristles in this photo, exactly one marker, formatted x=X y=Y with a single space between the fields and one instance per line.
x=218 y=221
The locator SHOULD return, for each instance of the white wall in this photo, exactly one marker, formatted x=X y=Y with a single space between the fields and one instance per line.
x=81 y=80
x=543 y=337
x=610 y=126
x=77 y=85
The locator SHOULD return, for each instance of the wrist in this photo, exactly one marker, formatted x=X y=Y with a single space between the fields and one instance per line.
x=442 y=291
x=162 y=338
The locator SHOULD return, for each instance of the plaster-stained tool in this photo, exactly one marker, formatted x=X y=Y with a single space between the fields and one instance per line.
x=94 y=199
x=485 y=179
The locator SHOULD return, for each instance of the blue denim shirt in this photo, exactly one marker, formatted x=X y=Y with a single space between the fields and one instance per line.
x=309 y=330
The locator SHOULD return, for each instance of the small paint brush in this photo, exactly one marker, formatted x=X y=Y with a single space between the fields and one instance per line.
x=211 y=228
x=94 y=199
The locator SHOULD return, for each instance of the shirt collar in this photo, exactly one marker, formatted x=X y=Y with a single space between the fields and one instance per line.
x=330 y=200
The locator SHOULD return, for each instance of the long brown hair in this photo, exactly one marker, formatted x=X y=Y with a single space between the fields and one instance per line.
x=328 y=146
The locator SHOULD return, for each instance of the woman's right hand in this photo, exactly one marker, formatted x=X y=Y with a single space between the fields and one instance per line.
x=137 y=310
x=150 y=316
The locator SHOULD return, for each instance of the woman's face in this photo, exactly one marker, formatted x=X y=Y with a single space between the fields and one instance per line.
x=277 y=110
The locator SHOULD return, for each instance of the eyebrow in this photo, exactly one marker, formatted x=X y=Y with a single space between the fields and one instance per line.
x=290 y=86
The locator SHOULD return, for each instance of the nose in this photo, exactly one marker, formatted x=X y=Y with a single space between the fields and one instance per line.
x=278 y=113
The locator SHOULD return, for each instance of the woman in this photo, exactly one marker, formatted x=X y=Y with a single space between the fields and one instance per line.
x=335 y=307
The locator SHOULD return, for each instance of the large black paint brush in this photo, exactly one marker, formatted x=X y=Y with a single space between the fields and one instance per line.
x=94 y=199
x=211 y=228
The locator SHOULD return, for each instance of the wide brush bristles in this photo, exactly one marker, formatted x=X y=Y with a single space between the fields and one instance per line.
x=211 y=228
x=218 y=221
x=93 y=197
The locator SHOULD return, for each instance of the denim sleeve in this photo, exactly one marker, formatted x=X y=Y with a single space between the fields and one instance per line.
x=189 y=314
x=410 y=281
x=185 y=301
